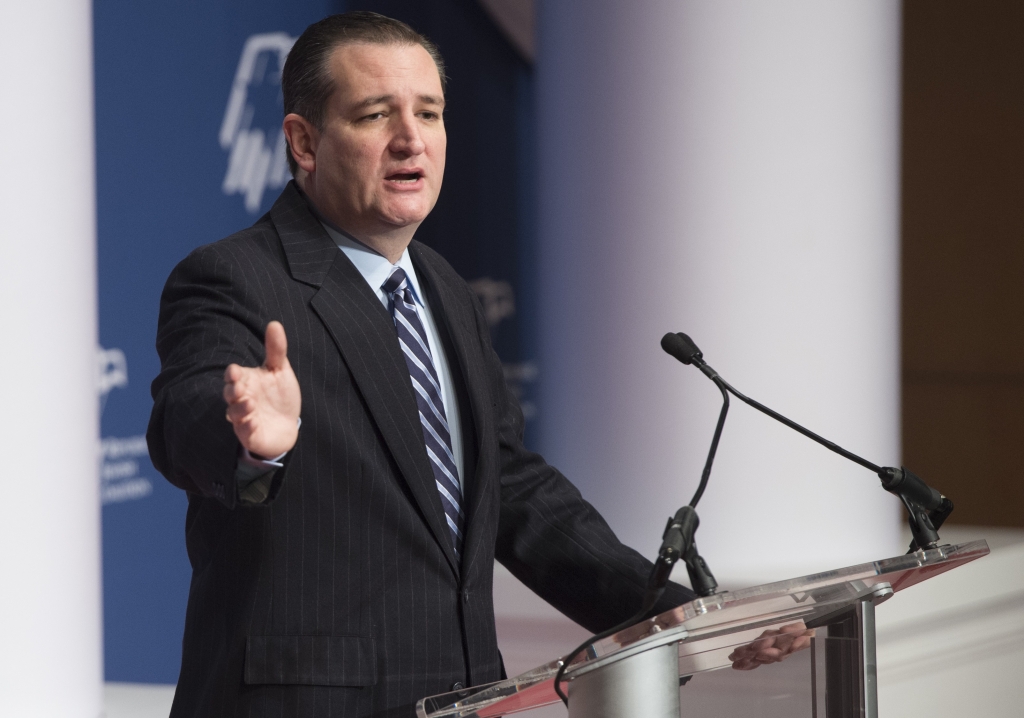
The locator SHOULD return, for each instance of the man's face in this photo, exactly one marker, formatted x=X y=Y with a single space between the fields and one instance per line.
x=380 y=156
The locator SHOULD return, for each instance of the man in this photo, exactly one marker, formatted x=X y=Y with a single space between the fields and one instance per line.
x=342 y=565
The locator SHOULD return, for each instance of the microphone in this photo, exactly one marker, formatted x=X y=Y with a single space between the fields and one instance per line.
x=927 y=508
x=681 y=347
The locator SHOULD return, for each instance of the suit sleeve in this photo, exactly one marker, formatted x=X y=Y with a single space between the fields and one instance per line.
x=207 y=321
x=554 y=541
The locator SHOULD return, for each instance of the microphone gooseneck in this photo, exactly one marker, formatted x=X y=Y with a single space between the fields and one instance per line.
x=927 y=508
x=679 y=537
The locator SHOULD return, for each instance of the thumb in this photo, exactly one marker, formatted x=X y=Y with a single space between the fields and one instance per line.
x=276 y=346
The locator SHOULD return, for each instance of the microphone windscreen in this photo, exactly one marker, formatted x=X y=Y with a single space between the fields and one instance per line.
x=681 y=347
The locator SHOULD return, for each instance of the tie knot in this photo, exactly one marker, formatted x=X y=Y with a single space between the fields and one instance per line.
x=395 y=282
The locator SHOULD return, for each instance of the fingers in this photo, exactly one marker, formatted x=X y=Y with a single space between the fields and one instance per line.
x=765 y=640
x=238 y=393
x=772 y=646
x=748 y=661
x=237 y=383
x=750 y=653
x=784 y=642
x=233 y=373
x=232 y=379
x=762 y=642
x=238 y=411
x=276 y=345
x=800 y=643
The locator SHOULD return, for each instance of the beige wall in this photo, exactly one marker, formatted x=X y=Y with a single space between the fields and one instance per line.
x=963 y=254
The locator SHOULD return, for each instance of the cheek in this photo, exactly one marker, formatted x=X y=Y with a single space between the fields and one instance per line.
x=438 y=157
x=358 y=166
x=354 y=164
x=441 y=150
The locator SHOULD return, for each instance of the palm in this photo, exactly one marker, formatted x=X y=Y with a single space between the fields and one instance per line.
x=264 y=402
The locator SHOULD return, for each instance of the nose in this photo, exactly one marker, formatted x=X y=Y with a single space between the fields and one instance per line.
x=407 y=139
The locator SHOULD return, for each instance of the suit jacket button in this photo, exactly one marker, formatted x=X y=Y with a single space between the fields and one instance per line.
x=457 y=686
x=465 y=595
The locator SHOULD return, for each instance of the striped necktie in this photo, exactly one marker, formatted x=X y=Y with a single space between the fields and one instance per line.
x=436 y=435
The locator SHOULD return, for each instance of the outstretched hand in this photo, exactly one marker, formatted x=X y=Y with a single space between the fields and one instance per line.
x=264 y=402
x=772 y=646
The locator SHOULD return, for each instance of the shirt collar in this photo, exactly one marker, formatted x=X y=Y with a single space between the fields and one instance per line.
x=373 y=265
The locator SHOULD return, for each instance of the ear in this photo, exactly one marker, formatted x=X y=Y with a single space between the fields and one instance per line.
x=302 y=138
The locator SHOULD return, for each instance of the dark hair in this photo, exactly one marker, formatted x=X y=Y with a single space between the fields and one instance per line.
x=306 y=80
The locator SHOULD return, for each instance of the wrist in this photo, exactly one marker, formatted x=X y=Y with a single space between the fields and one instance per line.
x=271 y=449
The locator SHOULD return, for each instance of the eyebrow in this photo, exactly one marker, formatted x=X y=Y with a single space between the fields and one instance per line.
x=384 y=99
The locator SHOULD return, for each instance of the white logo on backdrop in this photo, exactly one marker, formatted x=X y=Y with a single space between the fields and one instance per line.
x=251 y=130
x=119 y=471
x=111 y=372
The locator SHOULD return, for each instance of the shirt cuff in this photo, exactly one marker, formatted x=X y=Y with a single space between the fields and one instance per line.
x=258 y=462
x=253 y=474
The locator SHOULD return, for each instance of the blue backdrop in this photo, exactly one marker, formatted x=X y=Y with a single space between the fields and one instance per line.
x=188 y=112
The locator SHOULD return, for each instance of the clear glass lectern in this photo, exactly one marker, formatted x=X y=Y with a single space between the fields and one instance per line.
x=636 y=673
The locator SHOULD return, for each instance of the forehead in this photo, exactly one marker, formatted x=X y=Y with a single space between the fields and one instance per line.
x=361 y=69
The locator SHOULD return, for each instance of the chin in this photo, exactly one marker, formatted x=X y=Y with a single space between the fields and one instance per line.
x=406 y=216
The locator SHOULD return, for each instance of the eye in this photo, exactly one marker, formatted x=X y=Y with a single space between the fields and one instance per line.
x=429 y=115
x=371 y=117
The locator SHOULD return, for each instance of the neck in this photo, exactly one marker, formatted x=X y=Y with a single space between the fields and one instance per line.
x=391 y=246
x=389 y=242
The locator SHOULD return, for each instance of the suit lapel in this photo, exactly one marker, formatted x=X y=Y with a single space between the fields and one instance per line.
x=459 y=320
x=365 y=336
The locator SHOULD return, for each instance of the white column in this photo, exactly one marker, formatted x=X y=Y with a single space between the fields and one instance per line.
x=50 y=614
x=726 y=168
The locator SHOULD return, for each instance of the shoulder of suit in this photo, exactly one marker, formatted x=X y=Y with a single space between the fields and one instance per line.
x=253 y=245
x=438 y=264
x=452 y=281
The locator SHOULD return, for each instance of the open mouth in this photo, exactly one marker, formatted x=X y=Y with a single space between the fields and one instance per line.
x=404 y=177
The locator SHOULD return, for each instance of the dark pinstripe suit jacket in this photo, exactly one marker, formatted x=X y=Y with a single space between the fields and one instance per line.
x=341 y=596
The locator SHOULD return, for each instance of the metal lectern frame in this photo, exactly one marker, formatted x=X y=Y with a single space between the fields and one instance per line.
x=635 y=673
